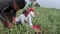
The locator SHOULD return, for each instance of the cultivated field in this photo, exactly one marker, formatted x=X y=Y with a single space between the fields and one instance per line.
x=47 y=18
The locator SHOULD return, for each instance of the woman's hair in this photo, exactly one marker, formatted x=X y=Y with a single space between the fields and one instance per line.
x=24 y=11
x=21 y=3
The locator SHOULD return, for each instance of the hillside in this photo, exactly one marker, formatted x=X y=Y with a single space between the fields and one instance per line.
x=48 y=19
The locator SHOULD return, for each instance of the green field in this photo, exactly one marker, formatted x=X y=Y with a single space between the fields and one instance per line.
x=47 y=18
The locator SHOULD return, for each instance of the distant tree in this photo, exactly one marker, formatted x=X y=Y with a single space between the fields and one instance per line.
x=37 y=5
x=32 y=0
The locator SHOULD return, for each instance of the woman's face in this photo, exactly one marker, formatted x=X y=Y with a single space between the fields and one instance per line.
x=19 y=4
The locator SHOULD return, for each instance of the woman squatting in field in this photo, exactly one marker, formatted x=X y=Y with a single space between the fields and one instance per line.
x=8 y=9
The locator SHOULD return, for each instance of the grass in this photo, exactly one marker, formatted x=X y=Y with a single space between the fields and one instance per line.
x=47 y=18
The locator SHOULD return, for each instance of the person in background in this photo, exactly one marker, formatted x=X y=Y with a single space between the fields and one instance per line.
x=26 y=16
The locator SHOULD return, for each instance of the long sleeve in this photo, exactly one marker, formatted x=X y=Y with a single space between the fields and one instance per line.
x=30 y=21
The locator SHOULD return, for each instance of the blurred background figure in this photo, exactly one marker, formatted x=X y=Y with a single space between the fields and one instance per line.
x=26 y=16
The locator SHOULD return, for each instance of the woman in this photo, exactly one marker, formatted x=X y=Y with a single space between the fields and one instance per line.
x=8 y=9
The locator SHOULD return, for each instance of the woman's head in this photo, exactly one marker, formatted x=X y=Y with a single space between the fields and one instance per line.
x=19 y=4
